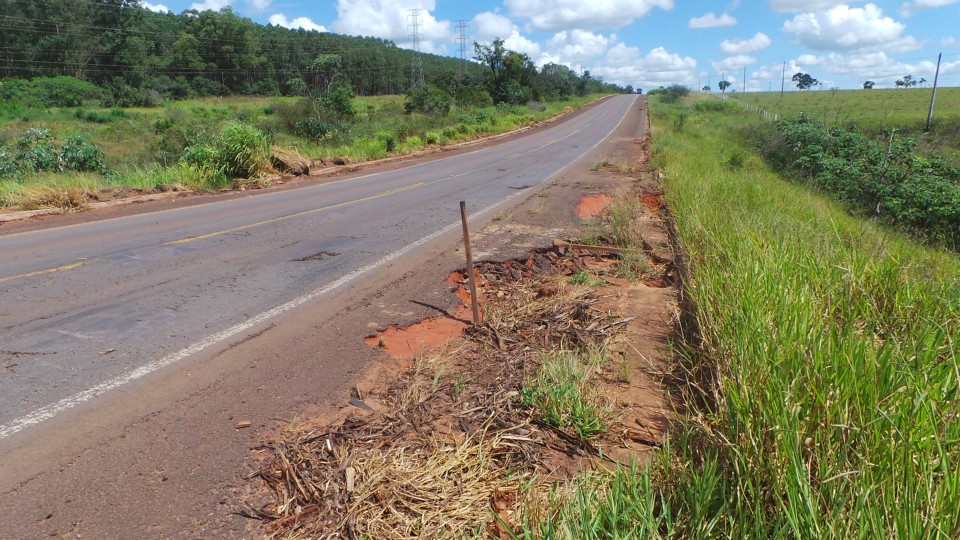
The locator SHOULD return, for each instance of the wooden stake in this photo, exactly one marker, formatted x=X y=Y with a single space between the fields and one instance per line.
x=471 y=272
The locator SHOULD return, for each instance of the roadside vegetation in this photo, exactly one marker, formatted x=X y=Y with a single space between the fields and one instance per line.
x=181 y=100
x=875 y=113
x=820 y=373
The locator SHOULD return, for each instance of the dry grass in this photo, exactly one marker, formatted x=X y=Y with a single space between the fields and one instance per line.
x=453 y=448
x=65 y=199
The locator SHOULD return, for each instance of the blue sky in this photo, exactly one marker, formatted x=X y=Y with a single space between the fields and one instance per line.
x=648 y=43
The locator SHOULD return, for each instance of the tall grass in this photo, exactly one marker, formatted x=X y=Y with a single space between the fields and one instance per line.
x=827 y=377
x=822 y=391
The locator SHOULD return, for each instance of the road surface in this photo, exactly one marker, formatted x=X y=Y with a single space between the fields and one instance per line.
x=96 y=308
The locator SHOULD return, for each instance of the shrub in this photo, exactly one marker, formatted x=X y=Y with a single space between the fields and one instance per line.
x=240 y=151
x=889 y=181
x=80 y=155
x=246 y=150
x=389 y=139
x=313 y=129
x=429 y=99
x=432 y=137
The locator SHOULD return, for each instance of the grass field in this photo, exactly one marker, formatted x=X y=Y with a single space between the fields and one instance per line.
x=874 y=111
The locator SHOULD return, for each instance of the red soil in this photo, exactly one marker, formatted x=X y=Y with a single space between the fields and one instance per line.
x=652 y=201
x=591 y=205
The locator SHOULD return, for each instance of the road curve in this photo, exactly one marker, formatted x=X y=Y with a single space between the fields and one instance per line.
x=87 y=308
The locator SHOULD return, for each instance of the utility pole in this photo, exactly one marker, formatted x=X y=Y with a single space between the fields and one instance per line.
x=416 y=72
x=783 y=77
x=933 y=97
x=744 y=78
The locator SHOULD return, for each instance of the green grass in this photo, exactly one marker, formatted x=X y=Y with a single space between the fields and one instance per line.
x=145 y=143
x=874 y=111
x=563 y=393
x=824 y=389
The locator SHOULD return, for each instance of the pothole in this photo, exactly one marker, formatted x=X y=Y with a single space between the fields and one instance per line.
x=318 y=256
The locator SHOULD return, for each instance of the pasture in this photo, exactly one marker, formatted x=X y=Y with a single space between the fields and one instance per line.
x=874 y=112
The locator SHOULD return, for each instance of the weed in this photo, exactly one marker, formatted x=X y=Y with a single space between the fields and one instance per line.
x=585 y=278
x=562 y=394
x=600 y=164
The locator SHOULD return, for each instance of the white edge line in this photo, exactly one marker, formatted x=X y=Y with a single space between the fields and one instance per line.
x=50 y=411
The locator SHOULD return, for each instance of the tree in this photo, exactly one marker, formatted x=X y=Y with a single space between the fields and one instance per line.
x=723 y=85
x=907 y=81
x=705 y=88
x=868 y=85
x=804 y=81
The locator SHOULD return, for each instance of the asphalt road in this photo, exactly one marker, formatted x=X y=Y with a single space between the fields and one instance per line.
x=89 y=308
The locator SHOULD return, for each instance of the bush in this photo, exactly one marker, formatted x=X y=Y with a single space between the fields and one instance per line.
x=389 y=139
x=429 y=99
x=673 y=93
x=37 y=151
x=43 y=92
x=889 y=181
x=240 y=151
x=717 y=105
x=313 y=129
x=80 y=155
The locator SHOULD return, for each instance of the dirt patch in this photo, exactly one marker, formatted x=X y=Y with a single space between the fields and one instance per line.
x=592 y=205
x=431 y=453
x=407 y=343
x=653 y=201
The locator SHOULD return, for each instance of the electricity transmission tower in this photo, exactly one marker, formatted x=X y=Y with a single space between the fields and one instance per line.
x=416 y=72
x=462 y=42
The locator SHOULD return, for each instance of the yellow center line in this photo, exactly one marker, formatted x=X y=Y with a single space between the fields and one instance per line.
x=298 y=214
x=49 y=270
x=355 y=201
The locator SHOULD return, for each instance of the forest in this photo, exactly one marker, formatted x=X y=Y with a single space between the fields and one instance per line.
x=128 y=56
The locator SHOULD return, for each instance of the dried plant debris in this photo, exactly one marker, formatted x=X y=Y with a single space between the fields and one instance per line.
x=451 y=446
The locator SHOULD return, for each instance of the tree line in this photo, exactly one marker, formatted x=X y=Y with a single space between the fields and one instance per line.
x=137 y=57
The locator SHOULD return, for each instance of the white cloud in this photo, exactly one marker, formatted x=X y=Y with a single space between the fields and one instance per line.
x=710 y=20
x=907 y=9
x=517 y=42
x=948 y=42
x=733 y=63
x=280 y=19
x=260 y=5
x=744 y=46
x=159 y=8
x=558 y=15
x=858 y=67
x=804 y=5
x=625 y=65
x=488 y=26
x=846 y=28
x=391 y=19
x=215 y=5
x=579 y=46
